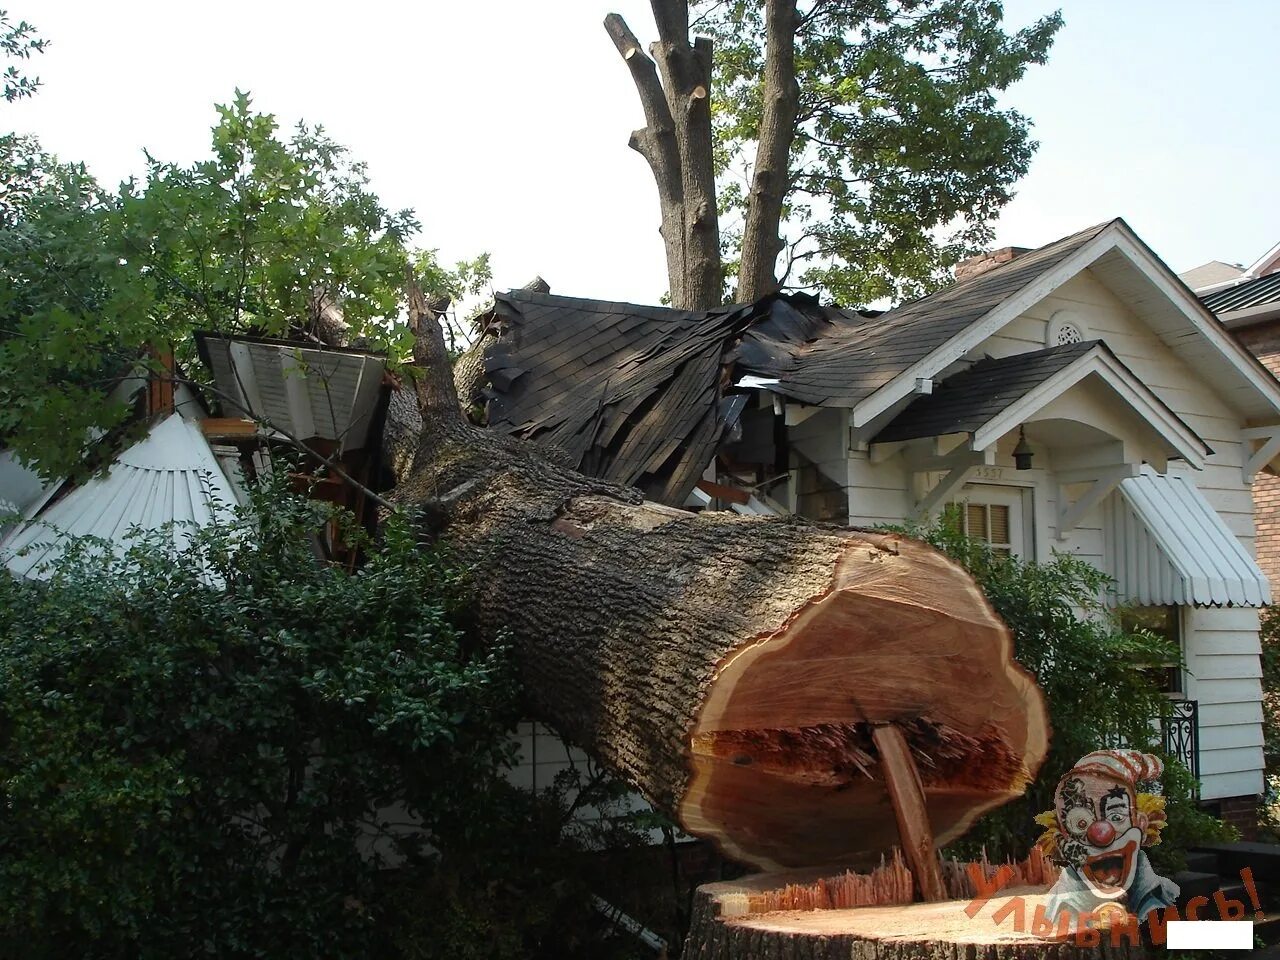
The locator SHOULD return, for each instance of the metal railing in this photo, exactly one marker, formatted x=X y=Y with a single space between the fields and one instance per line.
x=1180 y=735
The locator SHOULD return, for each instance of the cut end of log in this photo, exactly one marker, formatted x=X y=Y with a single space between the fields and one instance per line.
x=786 y=770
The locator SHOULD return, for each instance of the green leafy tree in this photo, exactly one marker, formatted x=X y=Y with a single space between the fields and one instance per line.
x=216 y=750
x=254 y=237
x=273 y=234
x=74 y=312
x=17 y=42
x=863 y=142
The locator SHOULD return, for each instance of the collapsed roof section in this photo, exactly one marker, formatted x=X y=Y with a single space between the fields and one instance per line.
x=630 y=393
x=639 y=395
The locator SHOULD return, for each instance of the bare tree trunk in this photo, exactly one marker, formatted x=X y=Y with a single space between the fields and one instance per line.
x=733 y=669
x=469 y=376
x=676 y=143
x=761 y=235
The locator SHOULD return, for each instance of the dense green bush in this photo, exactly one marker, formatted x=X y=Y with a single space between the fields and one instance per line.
x=213 y=750
x=1095 y=677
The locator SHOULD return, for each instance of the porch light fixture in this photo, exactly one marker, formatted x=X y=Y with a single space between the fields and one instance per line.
x=1022 y=452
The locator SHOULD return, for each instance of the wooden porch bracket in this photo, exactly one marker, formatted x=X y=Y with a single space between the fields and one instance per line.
x=1268 y=451
x=798 y=413
x=958 y=465
x=1102 y=482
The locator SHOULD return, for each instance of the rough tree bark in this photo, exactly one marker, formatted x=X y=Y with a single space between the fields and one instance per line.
x=676 y=142
x=733 y=669
x=761 y=233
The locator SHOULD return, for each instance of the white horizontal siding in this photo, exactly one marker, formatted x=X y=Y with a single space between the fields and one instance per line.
x=1230 y=714
x=1221 y=644
x=1223 y=671
x=878 y=492
x=1214 y=763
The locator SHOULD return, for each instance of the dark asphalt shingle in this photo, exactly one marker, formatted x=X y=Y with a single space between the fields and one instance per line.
x=1252 y=293
x=965 y=401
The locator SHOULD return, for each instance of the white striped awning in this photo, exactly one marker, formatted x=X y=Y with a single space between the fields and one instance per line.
x=169 y=475
x=308 y=391
x=1167 y=545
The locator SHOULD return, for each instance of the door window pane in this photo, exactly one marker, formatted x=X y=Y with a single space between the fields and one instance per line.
x=989 y=522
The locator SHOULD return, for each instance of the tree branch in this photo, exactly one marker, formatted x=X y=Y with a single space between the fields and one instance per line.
x=433 y=374
x=672 y=20
x=770 y=181
x=658 y=144
x=658 y=135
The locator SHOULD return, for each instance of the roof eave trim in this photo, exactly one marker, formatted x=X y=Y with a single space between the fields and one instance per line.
x=1201 y=317
x=1115 y=235
x=1268 y=259
x=1234 y=319
x=959 y=345
x=1171 y=428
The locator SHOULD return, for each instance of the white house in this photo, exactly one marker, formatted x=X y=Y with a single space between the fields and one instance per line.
x=1076 y=398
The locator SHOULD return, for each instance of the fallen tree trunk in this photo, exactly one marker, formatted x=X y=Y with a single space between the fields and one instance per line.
x=735 y=670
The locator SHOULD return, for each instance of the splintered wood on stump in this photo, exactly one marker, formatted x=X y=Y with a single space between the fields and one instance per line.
x=733 y=669
x=902 y=780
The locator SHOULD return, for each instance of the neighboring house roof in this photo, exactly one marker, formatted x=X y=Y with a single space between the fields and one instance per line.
x=169 y=475
x=1265 y=264
x=965 y=401
x=1172 y=547
x=1259 y=292
x=1211 y=274
x=326 y=392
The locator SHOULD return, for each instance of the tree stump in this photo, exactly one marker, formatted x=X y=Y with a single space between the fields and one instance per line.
x=720 y=927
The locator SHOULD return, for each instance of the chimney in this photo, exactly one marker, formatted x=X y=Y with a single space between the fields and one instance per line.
x=983 y=262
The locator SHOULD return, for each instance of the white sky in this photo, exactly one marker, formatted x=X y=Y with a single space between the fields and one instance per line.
x=504 y=122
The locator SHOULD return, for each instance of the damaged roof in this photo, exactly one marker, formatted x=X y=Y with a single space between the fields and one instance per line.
x=631 y=393
x=637 y=394
x=854 y=360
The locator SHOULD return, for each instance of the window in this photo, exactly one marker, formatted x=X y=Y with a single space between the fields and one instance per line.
x=994 y=515
x=989 y=522
x=1163 y=621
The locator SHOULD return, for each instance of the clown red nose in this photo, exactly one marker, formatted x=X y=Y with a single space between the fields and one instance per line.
x=1100 y=833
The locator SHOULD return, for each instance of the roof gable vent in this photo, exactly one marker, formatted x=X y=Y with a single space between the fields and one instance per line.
x=1065 y=327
